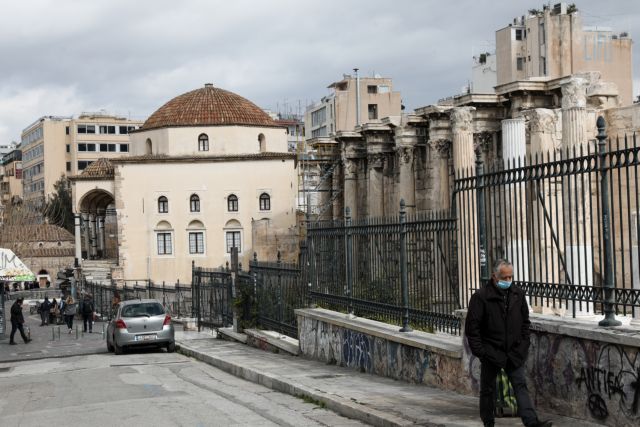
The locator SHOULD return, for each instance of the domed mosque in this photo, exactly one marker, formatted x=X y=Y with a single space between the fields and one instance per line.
x=203 y=168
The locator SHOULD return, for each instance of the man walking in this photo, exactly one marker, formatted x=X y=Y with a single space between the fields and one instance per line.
x=497 y=329
x=17 y=320
x=87 y=313
x=45 y=307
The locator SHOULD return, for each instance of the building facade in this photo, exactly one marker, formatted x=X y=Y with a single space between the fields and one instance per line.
x=203 y=169
x=56 y=146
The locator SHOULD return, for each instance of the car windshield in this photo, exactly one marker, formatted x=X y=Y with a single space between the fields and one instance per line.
x=143 y=309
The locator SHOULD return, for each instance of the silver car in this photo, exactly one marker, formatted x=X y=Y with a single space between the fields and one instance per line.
x=141 y=322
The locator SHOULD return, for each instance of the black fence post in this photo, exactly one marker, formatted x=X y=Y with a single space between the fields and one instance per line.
x=482 y=233
x=608 y=285
x=280 y=299
x=348 y=259
x=404 y=274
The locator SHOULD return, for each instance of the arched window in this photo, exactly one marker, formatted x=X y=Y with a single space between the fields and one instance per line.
x=148 y=147
x=194 y=203
x=232 y=203
x=163 y=204
x=196 y=238
x=265 y=202
x=262 y=141
x=233 y=236
x=164 y=238
x=203 y=142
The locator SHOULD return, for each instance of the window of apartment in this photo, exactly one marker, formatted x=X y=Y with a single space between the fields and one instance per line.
x=112 y=148
x=203 y=142
x=372 y=89
x=232 y=203
x=233 y=240
x=519 y=34
x=66 y=129
x=123 y=130
x=107 y=130
x=83 y=164
x=124 y=148
x=194 y=203
x=82 y=147
x=319 y=132
x=163 y=204
x=196 y=242
x=265 y=202
x=164 y=243
x=318 y=117
x=519 y=64
x=373 y=111
x=86 y=129
x=91 y=147
x=68 y=148
x=68 y=166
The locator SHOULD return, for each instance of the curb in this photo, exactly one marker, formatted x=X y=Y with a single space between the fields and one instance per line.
x=55 y=356
x=340 y=405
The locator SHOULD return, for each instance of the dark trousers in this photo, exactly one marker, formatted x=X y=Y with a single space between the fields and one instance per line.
x=68 y=318
x=488 y=374
x=87 y=318
x=16 y=326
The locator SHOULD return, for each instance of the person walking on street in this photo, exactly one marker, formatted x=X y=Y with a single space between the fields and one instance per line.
x=17 y=320
x=497 y=330
x=87 y=313
x=70 y=310
x=44 y=311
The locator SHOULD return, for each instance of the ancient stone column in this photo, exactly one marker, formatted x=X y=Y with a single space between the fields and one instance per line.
x=466 y=204
x=441 y=149
x=514 y=150
x=351 y=186
x=546 y=202
x=578 y=244
x=101 y=234
x=93 y=236
x=337 y=197
x=375 y=205
x=86 y=234
x=324 y=209
x=407 y=179
x=78 y=236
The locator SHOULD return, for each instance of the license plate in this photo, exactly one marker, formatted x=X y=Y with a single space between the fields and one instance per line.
x=146 y=337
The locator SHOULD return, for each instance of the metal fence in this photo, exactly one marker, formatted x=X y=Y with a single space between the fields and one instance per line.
x=568 y=220
x=212 y=297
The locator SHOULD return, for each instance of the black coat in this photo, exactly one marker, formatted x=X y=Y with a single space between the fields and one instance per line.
x=16 y=313
x=498 y=333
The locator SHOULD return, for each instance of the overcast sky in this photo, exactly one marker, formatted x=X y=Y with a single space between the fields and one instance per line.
x=129 y=57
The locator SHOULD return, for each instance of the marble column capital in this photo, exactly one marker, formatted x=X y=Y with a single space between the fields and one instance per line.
x=482 y=140
x=574 y=92
x=405 y=155
x=376 y=160
x=350 y=167
x=442 y=146
x=541 y=120
x=462 y=119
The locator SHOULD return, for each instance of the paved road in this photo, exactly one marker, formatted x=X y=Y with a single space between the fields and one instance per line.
x=150 y=388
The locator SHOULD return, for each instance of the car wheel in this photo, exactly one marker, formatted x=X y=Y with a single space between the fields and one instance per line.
x=117 y=348
x=171 y=347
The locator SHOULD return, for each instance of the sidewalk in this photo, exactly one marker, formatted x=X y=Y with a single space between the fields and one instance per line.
x=368 y=398
x=45 y=340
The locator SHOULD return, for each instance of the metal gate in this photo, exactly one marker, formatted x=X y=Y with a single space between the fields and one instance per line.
x=212 y=297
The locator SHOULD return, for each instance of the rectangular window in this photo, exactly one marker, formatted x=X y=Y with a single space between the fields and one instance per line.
x=107 y=130
x=519 y=35
x=319 y=117
x=67 y=130
x=319 y=132
x=123 y=130
x=82 y=164
x=124 y=148
x=82 y=147
x=112 y=148
x=164 y=244
x=373 y=111
x=68 y=166
x=519 y=64
x=68 y=148
x=372 y=89
x=104 y=147
x=82 y=128
x=196 y=242
x=233 y=241
x=91 y=147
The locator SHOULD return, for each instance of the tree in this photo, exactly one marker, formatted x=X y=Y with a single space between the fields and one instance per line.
x=58 y=209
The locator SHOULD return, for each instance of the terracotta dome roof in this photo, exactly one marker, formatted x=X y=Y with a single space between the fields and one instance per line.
x=101 y=168
x=208 y=106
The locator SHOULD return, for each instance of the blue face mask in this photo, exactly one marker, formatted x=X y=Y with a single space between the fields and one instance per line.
x=503 y=284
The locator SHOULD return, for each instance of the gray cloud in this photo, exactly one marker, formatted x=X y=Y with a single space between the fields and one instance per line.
x=63 y=57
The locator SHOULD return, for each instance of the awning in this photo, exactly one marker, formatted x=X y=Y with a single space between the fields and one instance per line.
x=12 y=269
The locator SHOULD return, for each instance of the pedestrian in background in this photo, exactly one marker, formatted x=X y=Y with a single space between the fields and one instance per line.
x=17 y=321
x=70 y=310
x=44 y=311
x=497 y=329
x=87 y=313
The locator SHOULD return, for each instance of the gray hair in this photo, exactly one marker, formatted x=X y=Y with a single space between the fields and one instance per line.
x=499 y=263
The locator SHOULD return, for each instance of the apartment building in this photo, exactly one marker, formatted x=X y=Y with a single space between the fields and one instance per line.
x=553 y=43
x=341 y=111
x=10 y=177
x=53 y=146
